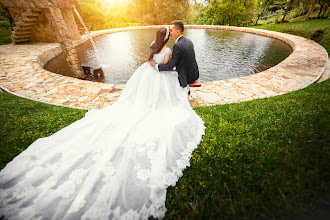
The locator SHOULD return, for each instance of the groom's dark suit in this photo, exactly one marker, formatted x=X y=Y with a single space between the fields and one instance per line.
x=183 y=58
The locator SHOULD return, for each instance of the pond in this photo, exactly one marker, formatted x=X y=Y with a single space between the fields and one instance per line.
x=220 y=54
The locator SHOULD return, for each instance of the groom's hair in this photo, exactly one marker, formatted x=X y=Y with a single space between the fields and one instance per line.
x=179 y=25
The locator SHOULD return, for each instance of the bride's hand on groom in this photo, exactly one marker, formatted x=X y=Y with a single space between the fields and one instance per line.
x=152 y=63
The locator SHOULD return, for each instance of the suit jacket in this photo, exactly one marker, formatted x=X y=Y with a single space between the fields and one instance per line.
x=183 y=58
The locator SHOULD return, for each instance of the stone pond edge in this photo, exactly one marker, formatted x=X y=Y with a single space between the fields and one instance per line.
x=47 y=55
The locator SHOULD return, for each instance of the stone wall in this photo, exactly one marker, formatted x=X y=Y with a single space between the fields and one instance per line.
x=45 y=31
x=36 y=3
x=46 y=21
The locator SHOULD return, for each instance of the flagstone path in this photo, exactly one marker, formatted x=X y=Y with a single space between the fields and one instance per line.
x=22 y=74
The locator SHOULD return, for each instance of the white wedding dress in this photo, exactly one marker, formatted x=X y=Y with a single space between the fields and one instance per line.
x=115 y=163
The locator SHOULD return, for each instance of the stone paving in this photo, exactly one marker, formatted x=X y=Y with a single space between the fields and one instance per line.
x=22 y=74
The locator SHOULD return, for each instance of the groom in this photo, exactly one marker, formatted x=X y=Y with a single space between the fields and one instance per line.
x=183 y=57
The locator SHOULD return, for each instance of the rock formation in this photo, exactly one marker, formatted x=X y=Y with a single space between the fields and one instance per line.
x=46 y=21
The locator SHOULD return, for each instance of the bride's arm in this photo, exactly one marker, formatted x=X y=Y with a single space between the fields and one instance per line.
x=167 y=58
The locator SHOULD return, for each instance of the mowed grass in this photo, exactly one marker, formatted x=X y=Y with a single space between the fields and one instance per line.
x=266 y=158
x=23 y=121
x=315 y=29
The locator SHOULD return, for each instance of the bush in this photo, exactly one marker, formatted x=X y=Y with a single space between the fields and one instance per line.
x=4 y=24
x=5 y=33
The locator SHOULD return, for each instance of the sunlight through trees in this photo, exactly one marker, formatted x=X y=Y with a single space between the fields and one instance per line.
x=105 y=14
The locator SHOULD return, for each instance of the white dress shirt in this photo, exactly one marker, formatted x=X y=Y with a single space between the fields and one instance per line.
x=176 y=41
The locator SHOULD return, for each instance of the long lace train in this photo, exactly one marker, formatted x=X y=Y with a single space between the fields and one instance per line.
x=115 y=163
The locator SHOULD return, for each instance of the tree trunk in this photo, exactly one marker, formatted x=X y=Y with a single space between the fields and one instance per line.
x=324 y=10
x=230 y=19
x=311 y=9
x=11 y=21
x=268 y=17
x=327 y=13
x=287 y=9
x=263 y=10
x=322 y=5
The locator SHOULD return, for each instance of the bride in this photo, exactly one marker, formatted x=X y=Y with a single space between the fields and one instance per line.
x=116 y=162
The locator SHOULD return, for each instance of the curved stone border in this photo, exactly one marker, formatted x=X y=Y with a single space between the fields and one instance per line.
x=21 y=74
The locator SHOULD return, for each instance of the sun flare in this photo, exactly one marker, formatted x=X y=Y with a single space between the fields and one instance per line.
x=114 y=1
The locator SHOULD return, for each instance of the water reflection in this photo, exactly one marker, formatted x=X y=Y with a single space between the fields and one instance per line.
x=219 y=54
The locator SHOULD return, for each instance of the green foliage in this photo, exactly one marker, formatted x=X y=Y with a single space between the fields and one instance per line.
x=158 y=11
x=4 y=14
x=202 y=17
x=231 y=12
x=5 y=32
x=4 y=24
x=91 y=15
x=316 y=29
x=243 y=13
x=277 y=5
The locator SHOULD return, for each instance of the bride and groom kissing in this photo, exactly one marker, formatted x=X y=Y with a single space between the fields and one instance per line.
x=115 y=162
x=183 y=57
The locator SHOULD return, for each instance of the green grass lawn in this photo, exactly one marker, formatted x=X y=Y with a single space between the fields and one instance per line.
x=266 y=158
x=23 y=121
x=315 y=29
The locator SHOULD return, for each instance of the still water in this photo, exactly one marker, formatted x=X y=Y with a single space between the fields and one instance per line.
x=219 y=54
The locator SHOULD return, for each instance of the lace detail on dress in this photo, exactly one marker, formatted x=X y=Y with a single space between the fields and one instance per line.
x=98 y=212
x=108 y=171
x=68 y=188
x=76 y=206
x=143 y=174
x=149 y=148
x=24 y=191
x=77 y=176
x=34 y=172
x=48 y=185
x=171 y=177
x=151 y=153
x=145 y=151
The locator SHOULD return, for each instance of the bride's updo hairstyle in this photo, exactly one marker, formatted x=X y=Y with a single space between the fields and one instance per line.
x=160 y=41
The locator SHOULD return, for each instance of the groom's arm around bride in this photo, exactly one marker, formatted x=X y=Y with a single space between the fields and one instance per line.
x=183 y=57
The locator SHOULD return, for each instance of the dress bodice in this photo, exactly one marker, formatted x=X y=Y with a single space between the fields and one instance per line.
x=160 y=57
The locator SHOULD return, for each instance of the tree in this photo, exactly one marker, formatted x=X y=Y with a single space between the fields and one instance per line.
x=263 y=4
x=277 y=5
x=324 y=7
x=201 y=14
x=288 y=7
x=90 y=14
x=231 y=12
x=312 y=4
x=159 y=11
